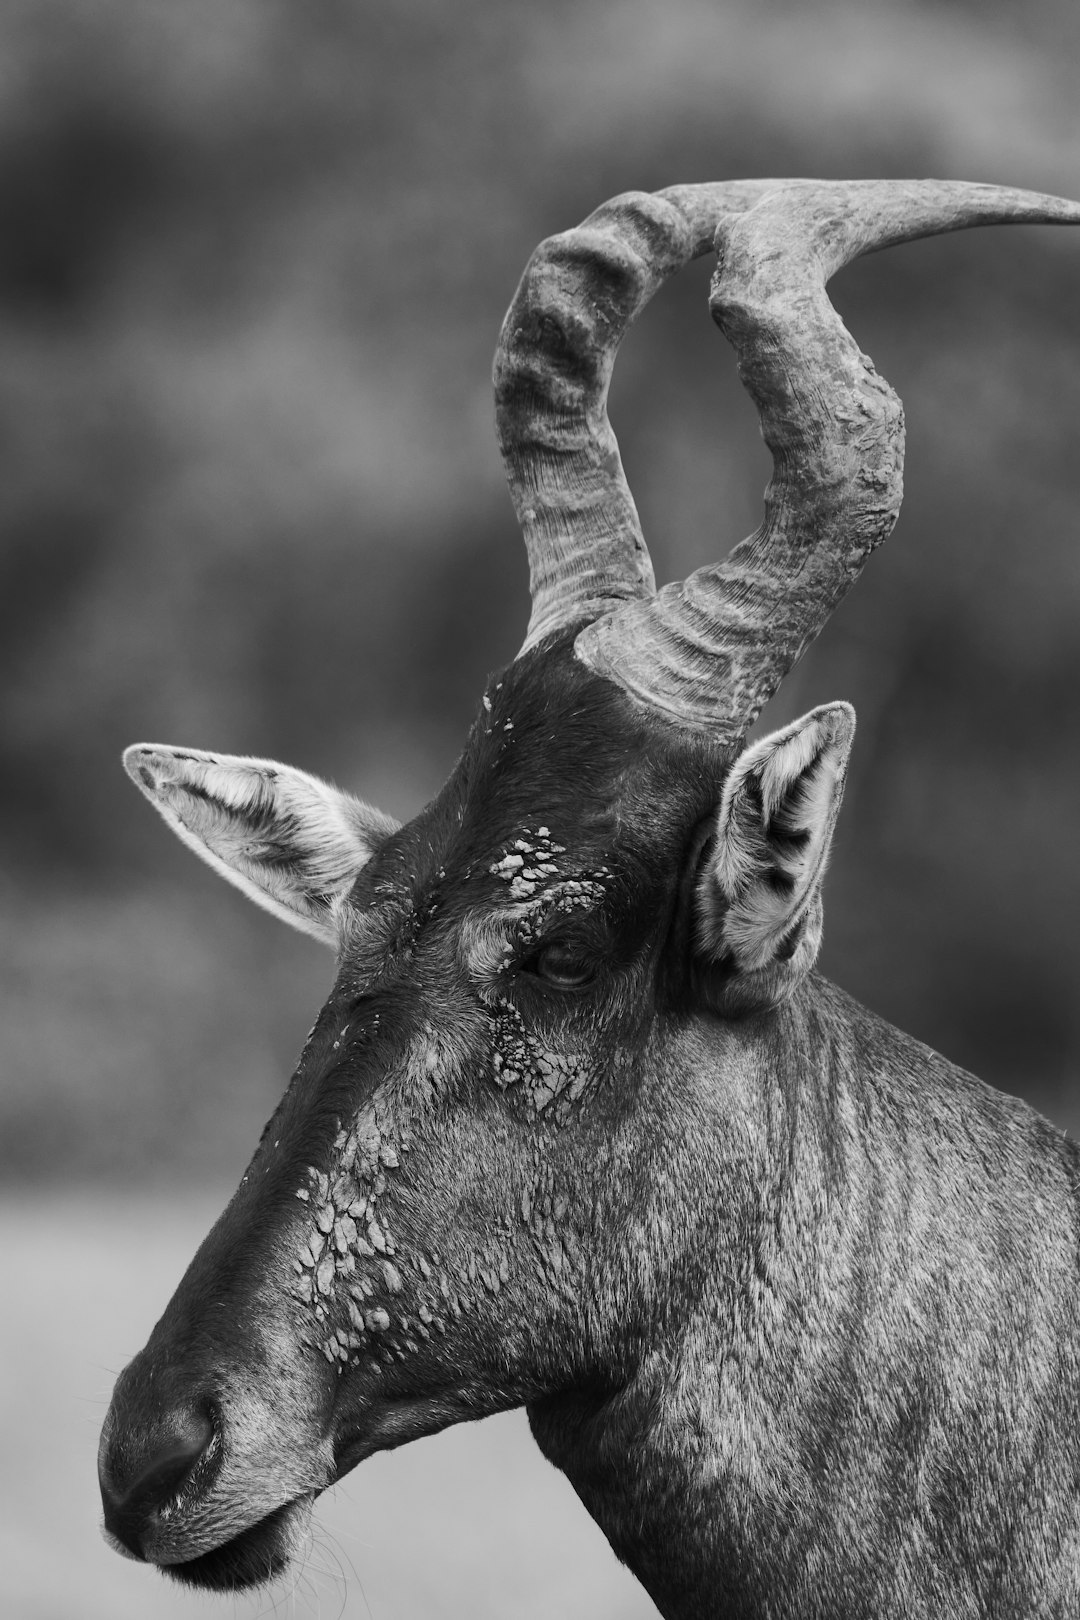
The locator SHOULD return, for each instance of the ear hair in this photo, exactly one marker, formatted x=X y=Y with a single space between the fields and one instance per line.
x=292 y=843
x=759 y=900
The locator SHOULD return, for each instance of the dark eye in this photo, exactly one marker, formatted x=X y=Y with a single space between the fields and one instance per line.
x=564 y=966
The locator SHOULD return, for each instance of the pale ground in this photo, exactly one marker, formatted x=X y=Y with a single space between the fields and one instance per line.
x=472 y=1522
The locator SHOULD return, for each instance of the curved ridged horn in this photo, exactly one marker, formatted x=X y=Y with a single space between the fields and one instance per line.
x=711 y=650
x=578 y=295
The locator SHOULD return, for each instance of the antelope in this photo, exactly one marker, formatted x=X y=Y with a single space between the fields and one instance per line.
x=792 y=1301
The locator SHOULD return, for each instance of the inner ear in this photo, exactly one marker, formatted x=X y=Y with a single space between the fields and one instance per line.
x=758 y=900
x=292 y=843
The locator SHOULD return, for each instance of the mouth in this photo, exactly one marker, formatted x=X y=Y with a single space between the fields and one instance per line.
x=263 y=1551
x=252 y=1558
x=391 y=1423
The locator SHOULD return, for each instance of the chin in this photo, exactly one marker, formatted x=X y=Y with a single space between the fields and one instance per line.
x=255 y=1557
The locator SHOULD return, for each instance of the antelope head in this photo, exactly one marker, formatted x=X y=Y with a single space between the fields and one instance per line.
x=514 y=1143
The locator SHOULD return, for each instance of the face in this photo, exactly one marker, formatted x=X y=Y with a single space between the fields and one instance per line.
x=439 y=1219
x=418 y=1237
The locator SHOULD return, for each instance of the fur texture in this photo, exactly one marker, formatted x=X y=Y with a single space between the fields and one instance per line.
x=292 y=843
x=759 y=899
x=794 y=1303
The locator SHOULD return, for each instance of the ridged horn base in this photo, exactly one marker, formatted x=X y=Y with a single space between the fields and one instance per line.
x=711 y=650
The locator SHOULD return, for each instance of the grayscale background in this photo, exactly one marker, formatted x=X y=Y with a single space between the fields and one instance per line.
x=253 y=259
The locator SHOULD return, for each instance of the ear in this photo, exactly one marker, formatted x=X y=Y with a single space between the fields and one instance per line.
x=759 y=893
x=292 y=843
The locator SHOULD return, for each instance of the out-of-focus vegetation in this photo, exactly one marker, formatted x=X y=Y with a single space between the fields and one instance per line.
x=253 y=259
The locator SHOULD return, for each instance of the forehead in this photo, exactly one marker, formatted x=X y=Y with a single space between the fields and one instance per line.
x=559 y=748
x=554 y=747
x=563 y=780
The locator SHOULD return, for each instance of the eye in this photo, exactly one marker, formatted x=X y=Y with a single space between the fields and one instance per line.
x=564 y=966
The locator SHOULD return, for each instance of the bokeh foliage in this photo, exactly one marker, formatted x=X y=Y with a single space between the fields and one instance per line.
x=253 y=257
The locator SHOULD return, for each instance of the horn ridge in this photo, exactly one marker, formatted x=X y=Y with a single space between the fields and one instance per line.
x=709 y=651
x=576 y=299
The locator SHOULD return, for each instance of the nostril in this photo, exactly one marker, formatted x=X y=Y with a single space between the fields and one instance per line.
x=141 y=1476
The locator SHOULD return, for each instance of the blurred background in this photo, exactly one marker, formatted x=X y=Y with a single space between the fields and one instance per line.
x=253 y=259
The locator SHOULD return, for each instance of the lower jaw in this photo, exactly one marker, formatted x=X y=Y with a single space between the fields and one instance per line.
x=254 y=1557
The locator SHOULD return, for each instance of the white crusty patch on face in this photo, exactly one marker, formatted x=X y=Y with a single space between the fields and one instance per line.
x=529 y=863
x=361 y=1297
x=491 y=940
x=292 y=843
x=546 y=1077
x=346 y=1272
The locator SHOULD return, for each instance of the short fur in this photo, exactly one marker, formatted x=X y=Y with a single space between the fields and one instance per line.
x=759 y=900
x=792 y=1301
x=292 y=843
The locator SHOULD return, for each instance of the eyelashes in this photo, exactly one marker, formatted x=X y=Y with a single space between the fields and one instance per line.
x=562 y=965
